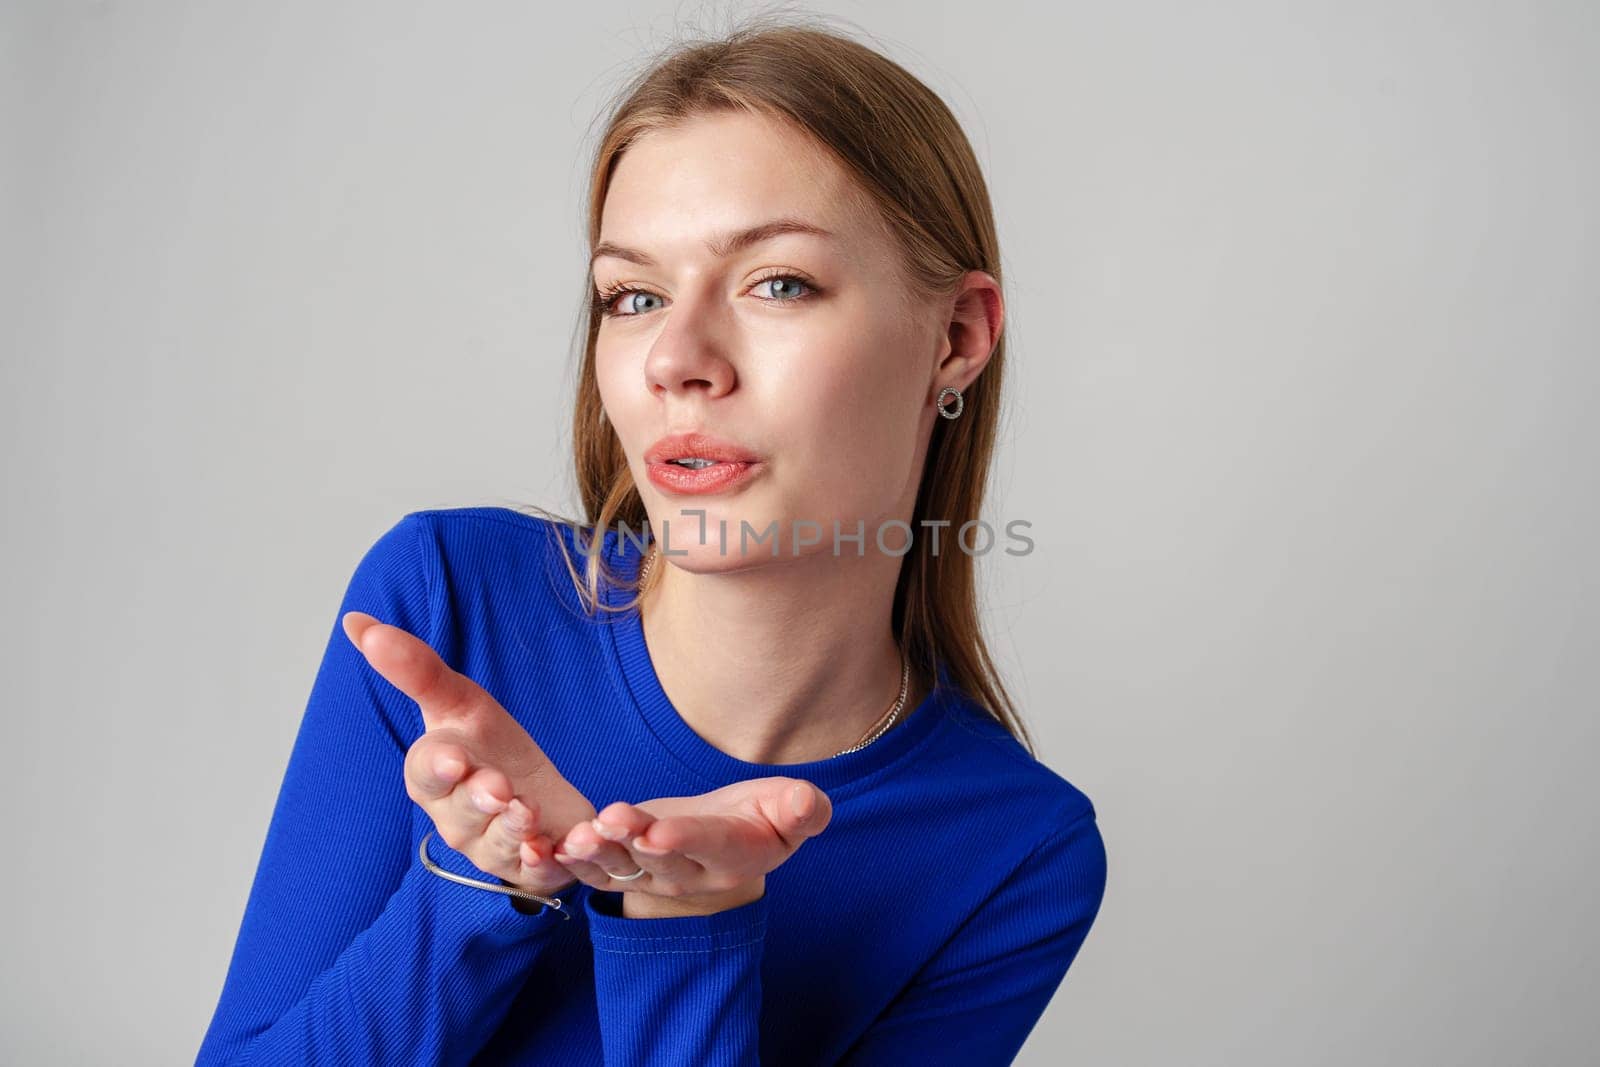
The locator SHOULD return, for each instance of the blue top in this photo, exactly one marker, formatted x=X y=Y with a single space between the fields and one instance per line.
x=930 y=922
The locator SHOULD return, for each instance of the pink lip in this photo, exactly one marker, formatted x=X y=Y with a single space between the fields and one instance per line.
x=716 y=478
x=703 y=445
x=734 y=465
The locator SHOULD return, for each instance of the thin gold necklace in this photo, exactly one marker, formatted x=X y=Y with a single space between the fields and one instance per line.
x=877 y=729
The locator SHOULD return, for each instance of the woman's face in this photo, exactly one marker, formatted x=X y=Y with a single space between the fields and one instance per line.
x=806 y=349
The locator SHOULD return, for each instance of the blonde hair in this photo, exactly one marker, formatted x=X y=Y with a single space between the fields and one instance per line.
x=910 y=158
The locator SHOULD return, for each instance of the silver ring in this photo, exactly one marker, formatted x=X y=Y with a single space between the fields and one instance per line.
x=625 y=877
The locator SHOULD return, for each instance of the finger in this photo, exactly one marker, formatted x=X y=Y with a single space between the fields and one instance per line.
x=710 y=840
x=607 y=858
x=512 y=828
x=669 y=870
x=537 y=853
x=455 y=706
x=593 y=876
x=434 y=766
x=797 y=812
x=540 y=867
x=475 y=802
x=728 y=848
x=534 y=868
x=630 y=827
x=811 y=808
x=414 y=668
x=515 y=833
x=621 y=822
x=520 y=819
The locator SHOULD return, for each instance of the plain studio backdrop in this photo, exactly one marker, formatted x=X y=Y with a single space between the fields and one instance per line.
x=1303 y=315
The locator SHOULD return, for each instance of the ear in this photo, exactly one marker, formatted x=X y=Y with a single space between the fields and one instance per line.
x=977 y=315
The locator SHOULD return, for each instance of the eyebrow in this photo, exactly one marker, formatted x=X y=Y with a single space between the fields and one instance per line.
x=719 y=247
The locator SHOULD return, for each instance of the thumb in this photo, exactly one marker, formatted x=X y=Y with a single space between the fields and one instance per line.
x=410 y=664
x=355 y=624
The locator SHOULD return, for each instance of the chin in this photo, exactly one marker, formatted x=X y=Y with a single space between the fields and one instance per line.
x=680 y=535
x=705 y=559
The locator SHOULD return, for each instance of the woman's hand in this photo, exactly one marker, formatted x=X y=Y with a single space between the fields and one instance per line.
x=700 y=854
x=493 y=795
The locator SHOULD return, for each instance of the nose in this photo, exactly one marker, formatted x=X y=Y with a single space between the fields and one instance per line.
x=690 y=354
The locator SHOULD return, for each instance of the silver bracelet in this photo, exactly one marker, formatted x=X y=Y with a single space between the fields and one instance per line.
x=509 y=890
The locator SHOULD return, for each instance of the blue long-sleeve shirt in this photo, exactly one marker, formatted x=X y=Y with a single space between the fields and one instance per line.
x=930 y=922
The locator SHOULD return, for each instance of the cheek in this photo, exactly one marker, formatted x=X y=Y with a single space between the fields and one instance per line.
x=607 y=372
x=617 y=376
x=818 y=388
x=848 y=412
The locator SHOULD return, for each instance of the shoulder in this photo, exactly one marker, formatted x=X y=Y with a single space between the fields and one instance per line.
x=1044 y=857
x=497 y=543
x=1063 y=852
x=437 y=529
x=499 y=526
x=978 y=756
x=980 y=766
x=434 y=563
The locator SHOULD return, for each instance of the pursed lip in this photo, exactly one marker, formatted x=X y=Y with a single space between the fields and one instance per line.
x=699 y=445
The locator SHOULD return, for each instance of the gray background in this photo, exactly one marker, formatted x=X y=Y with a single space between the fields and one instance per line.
x=1304 y=320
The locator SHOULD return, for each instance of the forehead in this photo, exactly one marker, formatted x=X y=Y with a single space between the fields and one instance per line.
x=717 y=172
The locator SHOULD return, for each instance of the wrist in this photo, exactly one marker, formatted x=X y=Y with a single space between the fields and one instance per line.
x=529 y=907
x=653 y=906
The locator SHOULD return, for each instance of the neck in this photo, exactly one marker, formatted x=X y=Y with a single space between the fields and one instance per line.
x=790 y=661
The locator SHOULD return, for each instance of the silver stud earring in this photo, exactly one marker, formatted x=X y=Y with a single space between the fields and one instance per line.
x=960 y=403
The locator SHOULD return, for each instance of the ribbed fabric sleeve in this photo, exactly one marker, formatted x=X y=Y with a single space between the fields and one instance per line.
x=930 y=922
x=678 y=992
x=976 y=1001
x=350 y=951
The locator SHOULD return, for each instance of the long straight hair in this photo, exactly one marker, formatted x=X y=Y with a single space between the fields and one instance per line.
x=909 y=155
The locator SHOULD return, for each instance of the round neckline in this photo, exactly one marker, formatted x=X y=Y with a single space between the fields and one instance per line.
x=655 y=709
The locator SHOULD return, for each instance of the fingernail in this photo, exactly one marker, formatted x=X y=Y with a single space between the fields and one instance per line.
x=608 y=831
x=648 y=849
x=487 y=804
x=448 y=769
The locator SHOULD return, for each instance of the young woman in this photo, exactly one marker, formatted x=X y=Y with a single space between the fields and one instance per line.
x=822 y=836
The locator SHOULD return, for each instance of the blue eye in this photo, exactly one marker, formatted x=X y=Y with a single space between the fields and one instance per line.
x=794 y=289
x=606 y=298
x=793 y=281
x=630 y=301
